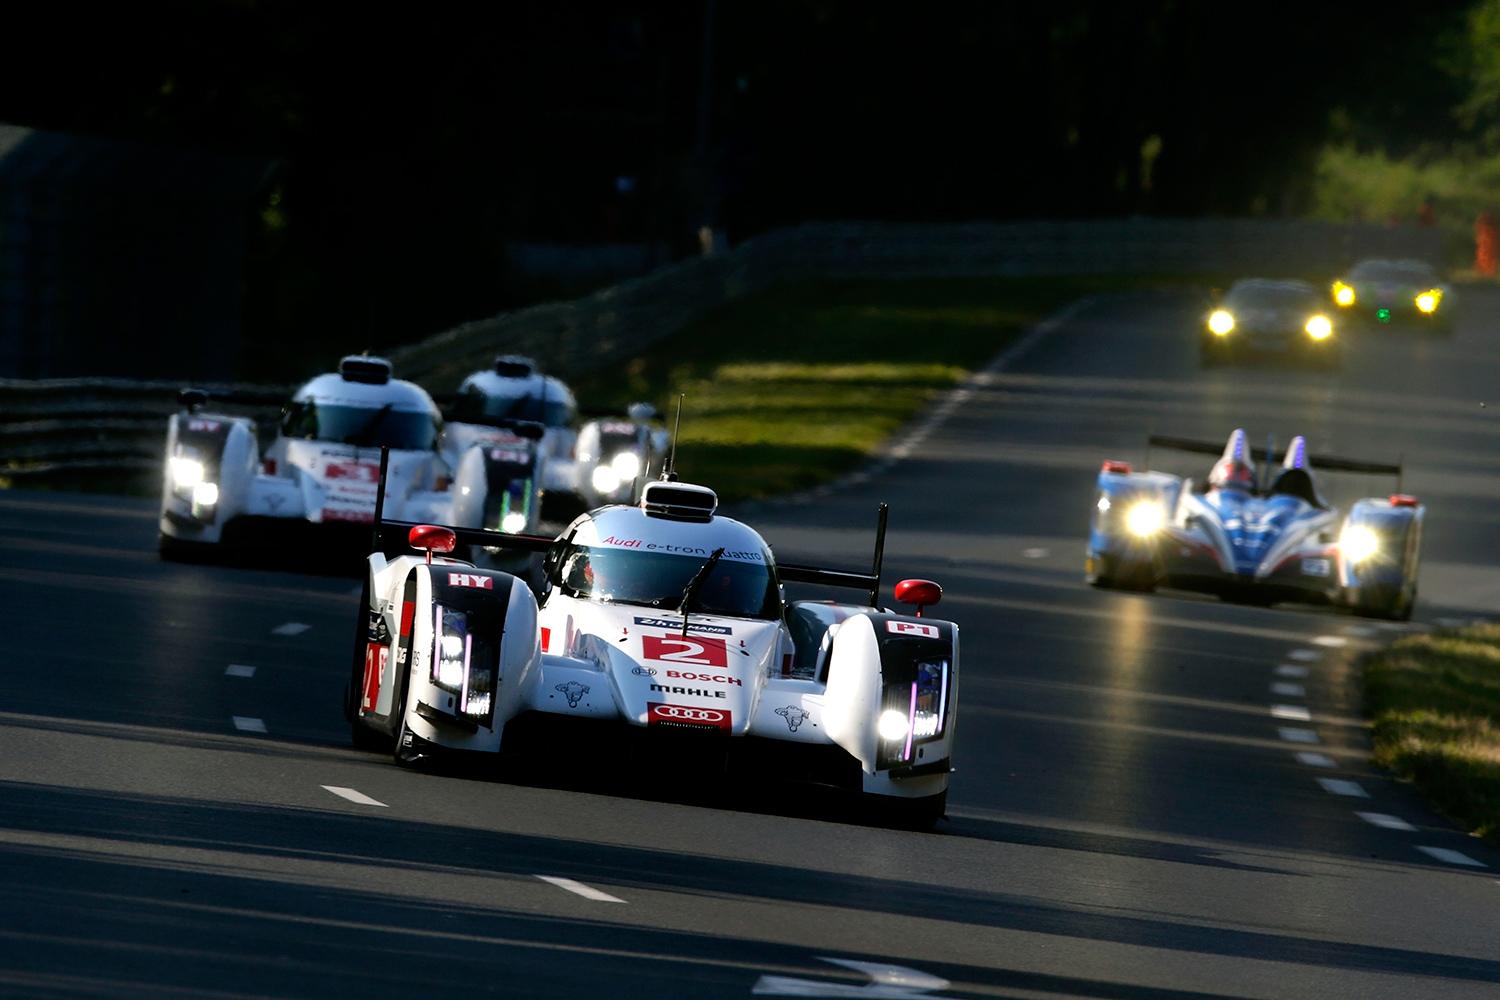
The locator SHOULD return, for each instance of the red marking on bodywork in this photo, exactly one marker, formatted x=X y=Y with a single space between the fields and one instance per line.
x=408 y=612
x=702 y=651
x=688 y=715
x=546 y=639
x=376 y=657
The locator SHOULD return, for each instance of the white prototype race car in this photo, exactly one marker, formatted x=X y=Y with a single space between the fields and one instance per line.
x=617 y=456
x=666 y=621
x=322 y=468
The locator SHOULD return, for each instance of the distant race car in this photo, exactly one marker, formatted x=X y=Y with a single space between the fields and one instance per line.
x=1270 y=319
x=618 y=456
x=491 y=406
x=1256 y=541
x=1395 y=291
x=659 y=622
x=321 y=469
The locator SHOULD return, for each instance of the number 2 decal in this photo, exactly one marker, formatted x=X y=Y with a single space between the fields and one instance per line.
x=701 y=651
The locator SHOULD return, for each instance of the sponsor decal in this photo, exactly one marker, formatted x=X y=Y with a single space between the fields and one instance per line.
x=701 y=652
x=275 y=500
x=913 y=628
x=357 y=472
x=692 y=626
x=347 y=515
x=1316 y=567
x=206 y=426
x=737 y=555
x=377 y=657
x=793 y=715
x=509 y=456
x=688 y=715
x=546 y=638
x=687 y=675
x=644 y=671
x=473 y=580
x=574 y=692
x=616 y=427
x=690 y=692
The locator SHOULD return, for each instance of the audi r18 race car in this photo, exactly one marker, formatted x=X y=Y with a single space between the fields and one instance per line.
x=617 y=457
x=1390 y=291
x=663 y=621
x=1254 y=540
x=322 y=467
x=495 y=409
x=1270 y=319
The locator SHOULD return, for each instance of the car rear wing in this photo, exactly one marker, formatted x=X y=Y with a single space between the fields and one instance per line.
x=1327 y=463
x=794 y=573
x=382 y=530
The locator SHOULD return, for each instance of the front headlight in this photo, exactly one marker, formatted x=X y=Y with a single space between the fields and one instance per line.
x=1427 y=302
x=627 y=465
x=205 y=494
x=1359 y=543
x=1319 y=328
x=186 y=472
x=892 y=725
x=605 y=479
x=513 y=523
x=1343 y=294
x=1220 y=322
x=453 y=666
x=1145 y=519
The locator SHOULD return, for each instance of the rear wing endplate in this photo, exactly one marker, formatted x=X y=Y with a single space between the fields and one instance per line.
x=794 y=573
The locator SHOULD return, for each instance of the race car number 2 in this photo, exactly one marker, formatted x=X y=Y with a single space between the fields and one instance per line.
x=702 y=651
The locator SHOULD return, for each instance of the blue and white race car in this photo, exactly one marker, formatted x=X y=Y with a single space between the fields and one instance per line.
x=1256 y=540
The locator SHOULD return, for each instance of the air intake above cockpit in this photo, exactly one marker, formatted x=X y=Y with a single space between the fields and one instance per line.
x=679 y=501
x=365 y=369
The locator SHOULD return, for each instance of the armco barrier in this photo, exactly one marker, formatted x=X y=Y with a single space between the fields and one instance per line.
x=57 y=425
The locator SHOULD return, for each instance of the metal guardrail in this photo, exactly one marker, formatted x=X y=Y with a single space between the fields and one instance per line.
x=56 y=427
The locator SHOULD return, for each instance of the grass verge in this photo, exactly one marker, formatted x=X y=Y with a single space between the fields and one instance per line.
x=799 y=384
x=1435 y=702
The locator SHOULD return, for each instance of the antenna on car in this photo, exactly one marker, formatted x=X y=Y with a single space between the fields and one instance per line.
x=669 y=474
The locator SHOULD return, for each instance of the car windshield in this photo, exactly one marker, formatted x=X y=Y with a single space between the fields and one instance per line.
x=1266 y=297
x=657 y=580
x=1394 y=273
x=476 y=407
x=366 y=426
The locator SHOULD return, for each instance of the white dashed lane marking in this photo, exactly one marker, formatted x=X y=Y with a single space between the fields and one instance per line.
x=1331 y=641
x=1291 y=670
x=1386 y=821
x=1294 y=735
x=1035 y=553
x=1304 y=655
x=1295 y=713
x=1451 y=857
x=245 y=724
x=1287 y=690
x=1315 y=759
x=357 y=797
x=290 y=628
x=239 y=670
x=1338 y=786
x=579 y=889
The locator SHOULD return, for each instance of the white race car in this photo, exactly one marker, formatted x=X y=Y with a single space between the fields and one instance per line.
x=665 y=621
x=618 y=456
x=323 y=467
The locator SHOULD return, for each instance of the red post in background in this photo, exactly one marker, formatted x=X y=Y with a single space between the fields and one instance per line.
x=1485 y=239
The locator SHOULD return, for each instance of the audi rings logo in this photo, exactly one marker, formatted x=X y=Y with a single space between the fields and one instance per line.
x=643 y=671
x=688 y=715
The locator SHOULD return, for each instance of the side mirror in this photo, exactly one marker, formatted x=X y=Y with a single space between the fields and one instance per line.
x=432 y=538
x=191 y=399
x=922 y=593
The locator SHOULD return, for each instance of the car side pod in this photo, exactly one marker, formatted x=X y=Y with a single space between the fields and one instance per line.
x=431 y=538
x=922 y=593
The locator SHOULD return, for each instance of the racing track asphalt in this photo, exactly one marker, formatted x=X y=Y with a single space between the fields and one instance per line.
x=1129 y=819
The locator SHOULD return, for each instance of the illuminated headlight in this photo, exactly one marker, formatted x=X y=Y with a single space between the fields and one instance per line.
x=186 y=472
x=1359 y=543
x=627 y=465
x=1319 y=328
x=205 y=494
x=605 y=479
x=513 y=523
x=453 y=666
x=1220 y=322
x=892 y=725
x=1145 y=519
x=1103 y=505
x=1427 y=302
x=1343 y=295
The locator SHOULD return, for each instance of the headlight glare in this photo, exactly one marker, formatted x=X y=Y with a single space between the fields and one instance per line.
x=1343 y=295
x=1359 y=543
x=892 y=725
x=1319 y=328
x=605 y=479
x=627 y=465
x=1220 y=322
x=1145 y=518
x=205 y=494
x=186 y=472
x=513 y=523
x=1427 y=302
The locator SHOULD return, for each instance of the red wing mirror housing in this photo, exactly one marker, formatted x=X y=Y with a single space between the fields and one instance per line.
x=1116 y=466
x=1403 y=500
x=922 y=593
x=433 y=538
